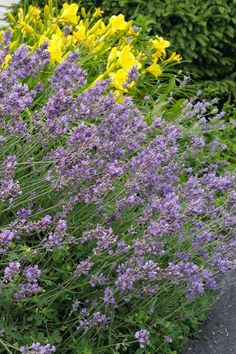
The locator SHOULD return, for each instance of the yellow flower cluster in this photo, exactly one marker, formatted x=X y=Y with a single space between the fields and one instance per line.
x=117 y=41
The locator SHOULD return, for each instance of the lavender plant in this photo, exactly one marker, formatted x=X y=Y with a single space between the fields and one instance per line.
x=112 y=229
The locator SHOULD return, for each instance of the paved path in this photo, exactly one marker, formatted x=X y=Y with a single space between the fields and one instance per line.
x=217 y=335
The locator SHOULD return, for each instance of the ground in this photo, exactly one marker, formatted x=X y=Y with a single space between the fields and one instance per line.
x=217 y=335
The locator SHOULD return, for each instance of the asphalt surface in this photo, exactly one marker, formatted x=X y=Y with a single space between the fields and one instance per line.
x=217 y=335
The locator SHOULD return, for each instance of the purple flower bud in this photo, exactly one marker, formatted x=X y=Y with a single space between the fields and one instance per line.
x=11 y=271
x=32 y=273
x=142 y=337
x=83 y=268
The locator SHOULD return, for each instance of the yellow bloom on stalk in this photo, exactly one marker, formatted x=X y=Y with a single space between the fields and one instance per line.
x=27 y=28
x=10 y=17
x=80 y=34
x=68 y=14
x=54 y=28
x=55 y=46
x=13 y=45
x=127 y=59
x=118 y=23
x=91 y=41
x=174 y=57
x=119 y=78
x=47 y=13
x=132 y=32
x=55 y=50
x=98 y=12
x=34 y=12
x=154 y=69
x=102 y=29
x=83 y=12
x=42 y=40
x=98 y=47
x=159 y=45
x=112 y=56
x=96 y=27
x=6 y=61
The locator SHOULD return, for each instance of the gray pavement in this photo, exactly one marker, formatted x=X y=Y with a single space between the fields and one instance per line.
x=217 y=335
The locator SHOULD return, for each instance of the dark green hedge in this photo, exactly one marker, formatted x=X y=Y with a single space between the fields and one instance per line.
x=203 y=31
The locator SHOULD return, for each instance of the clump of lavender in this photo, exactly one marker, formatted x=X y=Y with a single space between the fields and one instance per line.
x=16 y=95
x=24 y=64
x=108 y=297
x=83 y=268
x=55 y=239
x=98 y=319
x=9 y=188
x=11 y=271
x=31 y=287
x=112 y=211
x=105 y=239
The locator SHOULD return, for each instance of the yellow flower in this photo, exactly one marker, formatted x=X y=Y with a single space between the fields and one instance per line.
x=13 y=45
x=131 y=31
x=98 y=12
x=83 y=12
x=96 y=27
x=6 y=61
x=34 y=12
x=27 y=28
x=90 y=41
x=80 y=34
x=112 y=56
x=43 y=39
x=55 y=50
x=127 y=59
x=154 y=69
x=69 y=13
x=54 y=28
x=55 y=46
x=118 y=23
x=98 y=47
x=158 y=54
x=174 y=57
x=119 y=78
x=46 y=13
x=159 y=44
x=102 y=28
x=10 y=17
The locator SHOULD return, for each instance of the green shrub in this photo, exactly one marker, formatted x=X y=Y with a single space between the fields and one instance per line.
x=203 y=31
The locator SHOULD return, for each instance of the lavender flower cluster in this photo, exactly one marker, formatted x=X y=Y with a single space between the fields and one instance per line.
x=38 y=348
x=15 y=94
x=155 y=214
